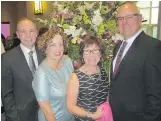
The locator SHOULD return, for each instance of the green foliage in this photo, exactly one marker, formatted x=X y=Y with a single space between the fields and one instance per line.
x=79 y=17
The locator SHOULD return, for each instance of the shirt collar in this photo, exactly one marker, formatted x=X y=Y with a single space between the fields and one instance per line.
x=25 y=49
x=130 y=40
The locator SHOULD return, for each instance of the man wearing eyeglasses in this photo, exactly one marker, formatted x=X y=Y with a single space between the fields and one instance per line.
x=135 y=93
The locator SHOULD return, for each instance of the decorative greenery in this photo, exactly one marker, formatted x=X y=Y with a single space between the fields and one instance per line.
x=77 y=18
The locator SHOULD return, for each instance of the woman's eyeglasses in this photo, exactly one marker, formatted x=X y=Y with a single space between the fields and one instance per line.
x=95 y=52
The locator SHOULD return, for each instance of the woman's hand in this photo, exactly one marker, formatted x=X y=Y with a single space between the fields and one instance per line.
x=97 y=114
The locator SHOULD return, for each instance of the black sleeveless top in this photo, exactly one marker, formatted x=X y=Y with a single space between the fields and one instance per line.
x=93 y=91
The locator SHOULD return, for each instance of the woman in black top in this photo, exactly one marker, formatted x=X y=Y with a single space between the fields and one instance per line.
x=88 y=86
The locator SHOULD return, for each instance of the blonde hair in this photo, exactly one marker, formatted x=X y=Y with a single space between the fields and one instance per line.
x=43 y=40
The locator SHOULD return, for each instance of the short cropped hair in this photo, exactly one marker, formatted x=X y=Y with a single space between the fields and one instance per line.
x=24 y=19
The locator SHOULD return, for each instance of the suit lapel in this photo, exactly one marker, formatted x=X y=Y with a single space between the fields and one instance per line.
x=130 y=54
x=24 y=65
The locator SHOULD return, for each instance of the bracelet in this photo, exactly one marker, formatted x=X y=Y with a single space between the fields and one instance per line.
x=89 y=115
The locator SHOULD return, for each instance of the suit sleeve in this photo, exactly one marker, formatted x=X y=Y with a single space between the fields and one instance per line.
x=153 y=84
x=7 y=92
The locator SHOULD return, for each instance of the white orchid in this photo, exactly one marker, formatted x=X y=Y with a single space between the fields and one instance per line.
x=73 y=31
x=81 y=8
x=77 y=32
x=97 y=19
x=89 y=5
x=70 y=31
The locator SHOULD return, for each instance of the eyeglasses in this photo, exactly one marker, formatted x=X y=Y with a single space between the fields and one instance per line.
x=128 y=17
x=95 y=52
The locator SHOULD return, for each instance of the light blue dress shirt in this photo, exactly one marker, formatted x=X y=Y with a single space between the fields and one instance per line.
x=49 y=84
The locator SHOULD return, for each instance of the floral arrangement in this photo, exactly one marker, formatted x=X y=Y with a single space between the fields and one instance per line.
x=77 y=18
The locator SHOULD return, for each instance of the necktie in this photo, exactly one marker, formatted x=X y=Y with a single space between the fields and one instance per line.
x=32 y=63
x=119 y=56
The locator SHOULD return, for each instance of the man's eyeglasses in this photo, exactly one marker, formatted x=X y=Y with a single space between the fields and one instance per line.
x=95 y=52
x=128 y=17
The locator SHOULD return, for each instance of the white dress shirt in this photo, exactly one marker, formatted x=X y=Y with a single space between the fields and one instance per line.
x=129 y=43
x=26 y=51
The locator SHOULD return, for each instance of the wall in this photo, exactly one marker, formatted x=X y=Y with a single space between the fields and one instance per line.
x=21 y=10
x=12 y=11
x=8 y=14
x=47 y=9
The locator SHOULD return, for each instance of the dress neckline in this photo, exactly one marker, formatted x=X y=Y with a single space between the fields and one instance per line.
x=98 y=73
x=61 y=66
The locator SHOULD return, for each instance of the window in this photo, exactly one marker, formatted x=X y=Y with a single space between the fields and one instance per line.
x=149 y=11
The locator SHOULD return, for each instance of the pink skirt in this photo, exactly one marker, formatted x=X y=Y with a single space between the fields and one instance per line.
x=106 y=112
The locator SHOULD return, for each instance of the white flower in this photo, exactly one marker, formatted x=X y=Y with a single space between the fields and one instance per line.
x=97 y=19
x=81 y=8
x=84 y=33
x=73 y=31
x=77 y=32
x=70 y=31
x=60 y=7
x=65 y=10
x=79 y=41
x=97 y=12
x=88 y=5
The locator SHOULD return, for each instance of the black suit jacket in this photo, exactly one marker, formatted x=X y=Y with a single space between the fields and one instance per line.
x=135 y=93
x=17 y=94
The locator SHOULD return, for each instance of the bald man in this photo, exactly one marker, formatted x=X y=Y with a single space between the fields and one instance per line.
x=17 y=94
x=135 y=93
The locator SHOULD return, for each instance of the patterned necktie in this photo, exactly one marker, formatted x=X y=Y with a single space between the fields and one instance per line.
x=119 y=56
x=32 y=63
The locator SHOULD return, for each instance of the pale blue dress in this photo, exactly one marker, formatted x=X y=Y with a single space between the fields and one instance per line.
x=49 y=84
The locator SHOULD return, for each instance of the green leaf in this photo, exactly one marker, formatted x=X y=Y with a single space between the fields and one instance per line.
x=65 y=26
x=62 y=20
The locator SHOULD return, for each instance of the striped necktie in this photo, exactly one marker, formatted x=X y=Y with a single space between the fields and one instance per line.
x=32 y=63
x=119 y=57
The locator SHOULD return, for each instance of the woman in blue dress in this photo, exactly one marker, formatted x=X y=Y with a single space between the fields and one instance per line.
x=50 y=80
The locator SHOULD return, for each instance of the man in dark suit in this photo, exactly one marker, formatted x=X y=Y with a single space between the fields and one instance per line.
x=135 y=93
x=17 y=94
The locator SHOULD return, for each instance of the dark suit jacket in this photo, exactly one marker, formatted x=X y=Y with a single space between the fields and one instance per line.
x=17 y=94
x=135 y=93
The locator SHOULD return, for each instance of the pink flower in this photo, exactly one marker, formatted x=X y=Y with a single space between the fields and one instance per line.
x=118 y=41
x=108 y=33
x=117 y=38
x=66 y=15
x=76 y=64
